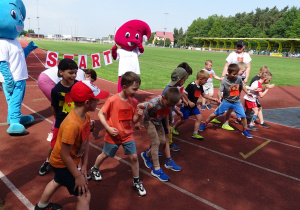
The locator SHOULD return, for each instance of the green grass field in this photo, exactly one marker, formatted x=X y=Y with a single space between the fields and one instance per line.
x=157 y=63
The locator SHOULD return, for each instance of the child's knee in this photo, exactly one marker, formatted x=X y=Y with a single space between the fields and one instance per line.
x=133 y=158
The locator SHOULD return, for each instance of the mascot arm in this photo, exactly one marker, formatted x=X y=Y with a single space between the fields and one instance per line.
x=114 y=52
x=140 y=46
x=9 y=80
x=31 y=46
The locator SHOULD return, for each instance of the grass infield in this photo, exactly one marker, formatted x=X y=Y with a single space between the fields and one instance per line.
x=156 y=63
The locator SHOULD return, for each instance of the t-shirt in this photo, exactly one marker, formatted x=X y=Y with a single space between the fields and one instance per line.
x=12 y=53
x=193 y=92
x=211 y=73
x=119 y=115
x=237 y=58
x=231 y=89
x=73 y=131
x=155 y=111
x=255 y=84
x=62 y=102
x=52 y=73
x=128 y=61
x=256 y=77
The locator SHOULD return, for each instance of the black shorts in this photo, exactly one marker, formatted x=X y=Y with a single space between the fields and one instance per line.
x=65 y=178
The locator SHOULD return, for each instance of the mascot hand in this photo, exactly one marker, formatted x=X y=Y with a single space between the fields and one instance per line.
x=31 y=46
x=114 y=52
x=9 y=80
x=140 y=46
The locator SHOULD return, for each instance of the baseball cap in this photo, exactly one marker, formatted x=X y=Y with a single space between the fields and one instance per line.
x=176 y=75
x=240 y=43
x=86 y=90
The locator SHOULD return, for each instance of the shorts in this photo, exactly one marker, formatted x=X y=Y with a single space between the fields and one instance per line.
x=111 y=149
x=187 y=112
x=257 y=103
x=165 y=127
x=237 y=107
x=53 y=140
x=208 y=88
x=65 y=178
x=250 y=104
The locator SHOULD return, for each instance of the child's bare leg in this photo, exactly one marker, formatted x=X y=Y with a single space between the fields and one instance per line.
x=260 y=115
x=134 y=165
x=83 y=201
x=49 y=190
x=197 y=123
x=255 y=110
x=100 y=159
x=166 y=148
x=227 y=116
x=210 y=118
x=179 y=123
x=203 y=101
x=244 y=123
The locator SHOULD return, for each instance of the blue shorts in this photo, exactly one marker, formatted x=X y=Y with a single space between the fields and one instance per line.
x=111 y=149
x=187 y=112
x=65 y=178
x=237 y=107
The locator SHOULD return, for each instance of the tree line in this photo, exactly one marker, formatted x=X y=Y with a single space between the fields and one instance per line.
x=261 y=23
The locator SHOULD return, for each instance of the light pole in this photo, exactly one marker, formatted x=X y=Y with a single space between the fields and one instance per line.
x=29 y=24
x=165 y=29
x=37 y=9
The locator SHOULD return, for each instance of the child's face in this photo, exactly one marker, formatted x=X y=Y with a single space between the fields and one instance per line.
x=232 y=75
x=167 y=103
x=267 y=80
x=181 y=81
x=202 y=81
x=242 y=71
x=208 y=66
x=131 y=90
x=68 y=75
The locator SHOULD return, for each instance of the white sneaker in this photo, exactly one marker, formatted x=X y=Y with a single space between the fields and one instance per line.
x=139 y=188
x=50 y=136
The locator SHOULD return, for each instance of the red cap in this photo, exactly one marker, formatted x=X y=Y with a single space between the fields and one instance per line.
x=86 y=90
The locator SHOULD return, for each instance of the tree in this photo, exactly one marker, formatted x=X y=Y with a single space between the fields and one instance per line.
x=294 y=31
x=151 y=38
x=175 y=35
x=217 y=28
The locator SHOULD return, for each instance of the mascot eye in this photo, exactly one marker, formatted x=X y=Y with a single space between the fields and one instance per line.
x=127 y=35
x=22 y=17
x=13 y=14
x=137 y=36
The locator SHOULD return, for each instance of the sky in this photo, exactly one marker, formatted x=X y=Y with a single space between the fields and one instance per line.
x=98 y=18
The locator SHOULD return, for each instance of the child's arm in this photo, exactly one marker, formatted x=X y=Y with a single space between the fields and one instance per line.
x=53 y=112
x=112 y=131
x=247 y=72
x=137 y=117
x=191 y=104
x=246 y=91
x=216 y=77
x=85 y=159
x=166 y=119
x=80 y=181
x=141 y=106
x=179 y=113
x=253 y=88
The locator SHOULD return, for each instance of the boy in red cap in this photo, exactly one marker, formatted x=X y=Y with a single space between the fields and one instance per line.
x=71 y=146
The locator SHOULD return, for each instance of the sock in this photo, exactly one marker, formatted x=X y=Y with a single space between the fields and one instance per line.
x=168 y=159
x=47 y=160
x=95 y=167
x=253 y=119
x=136 y=179
x=42 y=205
x=244 y=129
x=262 y=122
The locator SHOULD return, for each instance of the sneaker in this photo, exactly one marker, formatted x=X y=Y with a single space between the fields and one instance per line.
x=197 y=136
x=174 y=148
x=50 y=136
x=95 y=174
x=50 y=206
x=215 y=121
x=202 y=127
x=88 y=176
x=174 y=131
x=227 y=127
x=252 y=128
x=139 y=188
x=238 y=121
x=203 y=107
x=160 y=175
x=160 y=154
x=247 y=134
x=147 y=160
x=264 y=125
x=45 y=168
x=170 y=164
x=208 y=106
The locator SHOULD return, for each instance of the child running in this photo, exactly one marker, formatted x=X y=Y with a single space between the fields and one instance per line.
x=208 y=87
x=117 y=116
x=191 y=94
x=157 y=110
x=73 y=145
x=231 y=88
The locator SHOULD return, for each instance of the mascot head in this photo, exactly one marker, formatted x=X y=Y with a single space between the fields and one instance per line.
x=131 y=33
x=12 y=16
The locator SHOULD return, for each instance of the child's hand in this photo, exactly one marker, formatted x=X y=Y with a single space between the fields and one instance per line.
x=191 y=104
x=169 y=129
x=269 y=86
x=84 y=172
x=180 y=114
x=140 y=112
x=113 y=131
x=81 y=185
x=258 y=89
x=249 y=94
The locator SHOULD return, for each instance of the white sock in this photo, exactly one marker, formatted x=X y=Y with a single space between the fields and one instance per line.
x=42 y=205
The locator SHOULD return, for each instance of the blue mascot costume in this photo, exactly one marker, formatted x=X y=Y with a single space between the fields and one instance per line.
x=13 y=68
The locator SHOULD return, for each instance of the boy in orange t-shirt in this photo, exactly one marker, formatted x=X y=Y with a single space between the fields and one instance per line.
x=72 y=145
x=121 y=111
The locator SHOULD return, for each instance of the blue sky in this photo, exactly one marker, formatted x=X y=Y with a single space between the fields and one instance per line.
x=98 y=18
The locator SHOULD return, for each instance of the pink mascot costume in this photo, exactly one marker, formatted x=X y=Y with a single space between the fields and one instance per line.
x=130 y=38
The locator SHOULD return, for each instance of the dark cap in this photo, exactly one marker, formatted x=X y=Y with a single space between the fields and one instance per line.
x=176 y=75
x=67 y=63
x=240 y=43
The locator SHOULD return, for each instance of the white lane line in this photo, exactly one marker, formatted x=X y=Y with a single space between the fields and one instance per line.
x=15 y=191
x=166 y=183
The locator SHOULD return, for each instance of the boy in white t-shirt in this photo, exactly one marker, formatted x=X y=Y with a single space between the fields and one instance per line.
x=208 y=87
